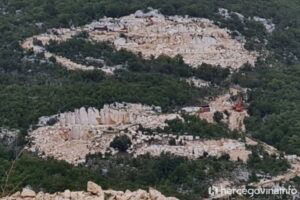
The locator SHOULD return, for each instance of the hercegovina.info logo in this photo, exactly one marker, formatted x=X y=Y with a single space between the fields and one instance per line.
x=221 y=191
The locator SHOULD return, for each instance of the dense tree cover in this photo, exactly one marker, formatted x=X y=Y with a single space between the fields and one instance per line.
x=274 y=105
x=218 y=116
x=22 y=105
x=172 y=175
x=260 y=162
x=121 y=143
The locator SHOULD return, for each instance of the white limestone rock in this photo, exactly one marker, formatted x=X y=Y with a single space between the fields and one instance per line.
x=8 y=136
x=95 y=189
x=197 y=40
x=27 y=193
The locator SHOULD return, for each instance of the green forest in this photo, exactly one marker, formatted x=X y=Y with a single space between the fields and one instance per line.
x=31 y=89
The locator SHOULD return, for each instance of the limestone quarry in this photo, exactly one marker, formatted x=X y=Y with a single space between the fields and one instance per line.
x=71 y=136
x=197 y=40
x=82 y=132
x=94 y=192
x=235 y=120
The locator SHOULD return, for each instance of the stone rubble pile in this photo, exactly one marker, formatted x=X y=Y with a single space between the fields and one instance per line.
x=193 y=149
x=198 y=40
x=94 y=192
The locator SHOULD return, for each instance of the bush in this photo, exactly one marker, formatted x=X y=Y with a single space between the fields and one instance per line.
x=121 y=143
x=218 y=116
x=172 y=142
x=192 y=125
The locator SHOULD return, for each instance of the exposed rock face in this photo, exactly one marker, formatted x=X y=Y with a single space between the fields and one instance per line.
x=268 y=24
x=94 y=192
x=114 y=114
x=198 y=40
x=83 y=132
x=8 y=137
x=228 y=15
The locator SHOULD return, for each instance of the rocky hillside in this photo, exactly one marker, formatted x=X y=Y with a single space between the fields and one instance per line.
x=197 y=40
x=173 y=95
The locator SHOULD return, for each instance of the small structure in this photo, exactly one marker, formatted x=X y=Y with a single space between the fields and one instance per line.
x=101 y=28
x=239 y=106
x=204 y=109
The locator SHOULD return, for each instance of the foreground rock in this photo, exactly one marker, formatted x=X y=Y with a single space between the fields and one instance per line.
x=27 y=193
x=94 y=192
x=197 y=40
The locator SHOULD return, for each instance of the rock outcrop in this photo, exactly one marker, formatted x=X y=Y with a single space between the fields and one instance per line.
x=94 y=192
x=199 y=83
x=116 y=114
x=7 y=136
x=267 y=23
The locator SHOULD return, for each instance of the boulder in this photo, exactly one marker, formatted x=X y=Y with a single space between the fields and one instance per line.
x=95 y=189
x=17 y=194
x=27 y=193
x=94 y=192
x=67 y=194
x=156 y=195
